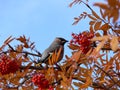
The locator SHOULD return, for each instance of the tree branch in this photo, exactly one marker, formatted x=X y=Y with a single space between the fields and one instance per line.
x=25 y=52
x=107 y=75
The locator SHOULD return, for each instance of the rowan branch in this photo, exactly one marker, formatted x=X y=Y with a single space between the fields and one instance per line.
x=108 y=75
x=25 y=52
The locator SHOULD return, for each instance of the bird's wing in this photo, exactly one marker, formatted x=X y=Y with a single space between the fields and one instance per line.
x=48 y=52
x=45 y=56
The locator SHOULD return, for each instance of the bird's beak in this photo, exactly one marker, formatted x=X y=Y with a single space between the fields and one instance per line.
x=66 y=41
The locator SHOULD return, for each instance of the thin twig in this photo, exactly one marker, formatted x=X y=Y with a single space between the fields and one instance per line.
x=25 y=79
x=107 y=75
x=25 y=52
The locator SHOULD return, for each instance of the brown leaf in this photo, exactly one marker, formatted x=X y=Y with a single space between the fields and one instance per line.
x=58 y=54
x=101 y=44
x=19 y=48
x=112 y=3
x=54 y=58
x=87 y=83
x=91 y=29
x=76 y=18
x=76 y=22
x=97 y=34
x=22 y=39
x=109 y=64
x=73 y=46
x=117 y=31
x=114 y=43
x=96 y=15
x=91 y=22
x=76 y=56
x=8 y=40
x=78 y=84
x=115 y=15
x=102 y=14
x=67 y=57
x=101 y=5
x=92 y=17
x=26 y=45
x=27 y=67
x=105 y=37
x=97 y=25
x=105 y=27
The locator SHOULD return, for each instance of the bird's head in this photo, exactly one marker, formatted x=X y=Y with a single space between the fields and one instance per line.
x=61 y=40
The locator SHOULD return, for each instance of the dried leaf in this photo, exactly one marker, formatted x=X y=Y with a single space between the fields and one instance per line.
x=19 y=48
x=101 y=79
x=76 y=22
x=117 y=31
x=102 y=14
x=117 y=65
x=67 y=57
x=32 y=45
x=92 y=17
x=114 y=43
x=105 y=37
x=105 y=27
x=27 y=67
x=8 y=40
x=91 y=22
x=101 y=44
x=115 y=15
x=109 y=64
x=58 y=54
x=112 y=3
x=78 y=84
x=26 y=45
x=101 y=5
x=97 y=25
x=73 y=46
x=95 y=14
x=54 y=57
x=76 y=18
x=22 y=39
x=97 y=34
x=91 y=29
x=87 y=83
x=76 y=56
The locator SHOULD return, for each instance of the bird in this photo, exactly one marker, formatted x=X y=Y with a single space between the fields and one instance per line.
x=58 y=43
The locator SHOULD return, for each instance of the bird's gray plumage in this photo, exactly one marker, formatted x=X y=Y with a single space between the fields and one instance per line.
x=55 y=46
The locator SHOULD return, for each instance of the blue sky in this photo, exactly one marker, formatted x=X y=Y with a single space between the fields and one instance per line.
x=40 y=20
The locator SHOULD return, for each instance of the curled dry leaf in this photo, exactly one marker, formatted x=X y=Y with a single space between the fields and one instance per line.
x=96 y=15
x=105 y=37
x=105 y=27
x=100 y=45
x=73 y=46
x=92 y=17
x=101 y=5
x=114 y=43
x=76 y=56
x=97 y=25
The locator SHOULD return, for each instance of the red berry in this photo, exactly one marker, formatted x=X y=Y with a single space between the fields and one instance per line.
x=83 y=40
x=51 y=88
x=7 y=65
x=40 y=81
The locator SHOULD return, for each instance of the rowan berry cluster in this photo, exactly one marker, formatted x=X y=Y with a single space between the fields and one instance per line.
x=40 y=81
x=7 y=65
x=83 y=40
